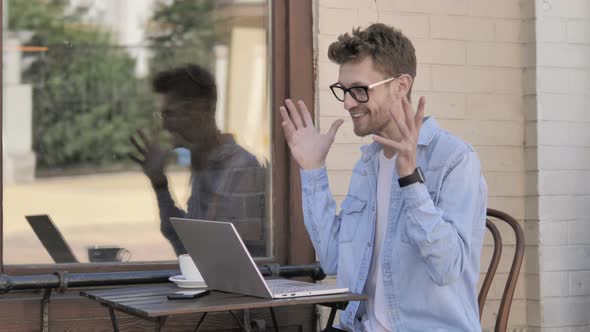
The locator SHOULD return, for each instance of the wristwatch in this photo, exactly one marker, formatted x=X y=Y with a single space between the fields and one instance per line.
x=407 y=180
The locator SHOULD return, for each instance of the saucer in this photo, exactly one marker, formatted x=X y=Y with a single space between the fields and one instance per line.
x=181 y=282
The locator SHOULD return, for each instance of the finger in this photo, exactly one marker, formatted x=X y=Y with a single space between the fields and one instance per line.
x=408 y=114
x=419 y=118
x=306 y=115
x=387 y=142
x=137 y=145
x=136 y=159
x=400 y=123
x=288 y=127
x=143 y=137
x=294 y=114
x=334 y=128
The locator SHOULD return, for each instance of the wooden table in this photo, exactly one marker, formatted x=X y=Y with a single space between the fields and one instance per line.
x=149 y=302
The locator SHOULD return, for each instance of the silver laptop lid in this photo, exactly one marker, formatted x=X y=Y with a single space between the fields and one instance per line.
x=221 y=256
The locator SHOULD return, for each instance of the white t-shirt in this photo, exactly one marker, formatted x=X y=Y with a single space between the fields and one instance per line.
x=375 y=319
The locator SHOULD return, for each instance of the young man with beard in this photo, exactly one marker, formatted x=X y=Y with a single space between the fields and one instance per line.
x=227 y=182
x=411 y=228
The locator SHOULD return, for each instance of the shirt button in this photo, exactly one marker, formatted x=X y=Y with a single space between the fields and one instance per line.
x=364 y=173
x=369 y=244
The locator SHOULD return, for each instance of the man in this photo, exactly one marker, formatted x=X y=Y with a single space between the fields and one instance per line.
x=411 y=228
x=227 y=182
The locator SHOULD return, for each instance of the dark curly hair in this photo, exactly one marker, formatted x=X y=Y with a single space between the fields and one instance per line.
x=392 y=52
x=188 y=82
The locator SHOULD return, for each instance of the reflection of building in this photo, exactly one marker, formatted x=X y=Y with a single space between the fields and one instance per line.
x=18 y=156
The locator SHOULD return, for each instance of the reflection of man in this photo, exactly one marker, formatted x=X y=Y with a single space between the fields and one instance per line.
x=411 y=228
x=228 y=183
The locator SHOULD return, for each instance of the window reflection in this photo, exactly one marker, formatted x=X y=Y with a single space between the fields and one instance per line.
x=83 y=80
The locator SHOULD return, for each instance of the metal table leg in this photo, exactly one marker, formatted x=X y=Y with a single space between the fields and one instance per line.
x=274 y=319
x=160 y=321
x=113 y=320
x=200 y=322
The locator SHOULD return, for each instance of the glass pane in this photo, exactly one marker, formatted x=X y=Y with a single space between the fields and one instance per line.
x=119 y=114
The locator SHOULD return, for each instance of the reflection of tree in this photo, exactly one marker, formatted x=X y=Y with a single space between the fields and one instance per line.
x=86 y=99
x=182 y=31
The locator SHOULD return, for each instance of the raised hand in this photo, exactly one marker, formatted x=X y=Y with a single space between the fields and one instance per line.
x=152 y=158
x=409 y=127
x=308 y=146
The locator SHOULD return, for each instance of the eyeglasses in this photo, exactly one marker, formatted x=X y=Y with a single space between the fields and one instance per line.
x=359 y=93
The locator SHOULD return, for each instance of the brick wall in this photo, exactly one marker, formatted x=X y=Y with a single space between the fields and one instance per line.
x=558 y=145
x=475 y=59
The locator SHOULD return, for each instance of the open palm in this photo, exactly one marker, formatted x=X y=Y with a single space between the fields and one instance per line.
x=308 y=146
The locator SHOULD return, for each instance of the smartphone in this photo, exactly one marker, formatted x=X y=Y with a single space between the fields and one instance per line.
x=188 y=295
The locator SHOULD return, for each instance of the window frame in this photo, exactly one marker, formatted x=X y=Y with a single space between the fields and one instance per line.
x=292 y=68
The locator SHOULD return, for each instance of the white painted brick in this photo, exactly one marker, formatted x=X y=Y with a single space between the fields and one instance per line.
x=328 y=74
x=565 y=258
x=413 y=26
x=579 y=282
x=495 y=107
x=532 y=285
x=533 y=314
x=497 y=8
x=345 y=134
x=562 y=107
x=551 y=30
x=529 y=78
x=565 y=9
x=487 y=133
x=451 y=7
x=514 y=206
x=531 y=256
x=444 y=105
x=502 y=158
x=476 y=79
x=553 y=233
x=494 y=54
x=564 y=183
x=339 y=181
x=564 y=207
x=531 y=185
x=563 y=134
x=579 y=82
x=324 y=42
x=554 y=284
x=517 y=315
x=570 y=158
x=564 y=55
x=461 y=28
x=342 y=157
x=515 y=31
x=444 y=52
x=552 y=80
x=530 y=107
x=423 y=79
x=335 y=21
x=531 y=232
x=579 y=231
x=568 y=311
x=505 y=184
x=340 y=3
x=532 y=160
x=578 y=31
x=330 y=106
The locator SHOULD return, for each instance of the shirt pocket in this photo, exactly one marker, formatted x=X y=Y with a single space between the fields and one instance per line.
x=353 y=210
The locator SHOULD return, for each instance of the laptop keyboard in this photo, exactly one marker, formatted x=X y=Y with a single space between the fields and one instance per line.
x=292 y=287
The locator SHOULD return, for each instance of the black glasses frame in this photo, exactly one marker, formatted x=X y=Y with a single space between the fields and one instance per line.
x=366 y=88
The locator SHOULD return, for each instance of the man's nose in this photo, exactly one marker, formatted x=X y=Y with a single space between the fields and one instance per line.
x=349 y=102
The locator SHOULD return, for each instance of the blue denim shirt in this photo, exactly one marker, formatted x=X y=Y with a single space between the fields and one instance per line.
x=434 y=235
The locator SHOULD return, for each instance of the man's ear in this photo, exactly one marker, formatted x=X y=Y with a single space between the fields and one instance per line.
x=404 y=84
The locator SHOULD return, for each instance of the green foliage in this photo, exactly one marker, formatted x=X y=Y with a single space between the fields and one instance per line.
x=86 y=97
x=183 y=32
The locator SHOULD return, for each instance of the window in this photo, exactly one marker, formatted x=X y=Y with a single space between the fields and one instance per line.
x=78 y=83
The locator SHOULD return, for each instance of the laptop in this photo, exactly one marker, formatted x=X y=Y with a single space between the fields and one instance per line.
x=226 y=265
x=51 y=238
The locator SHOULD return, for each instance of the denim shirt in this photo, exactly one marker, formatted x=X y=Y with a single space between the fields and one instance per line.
x=433 y=240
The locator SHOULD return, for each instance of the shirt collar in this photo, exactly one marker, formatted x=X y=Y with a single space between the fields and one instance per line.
x=429 y=129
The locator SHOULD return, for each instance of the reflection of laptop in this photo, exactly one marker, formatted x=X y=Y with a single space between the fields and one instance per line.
x=51 y=239
x=226 y=265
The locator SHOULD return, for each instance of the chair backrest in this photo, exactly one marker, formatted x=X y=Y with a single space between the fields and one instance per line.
x=506 y=302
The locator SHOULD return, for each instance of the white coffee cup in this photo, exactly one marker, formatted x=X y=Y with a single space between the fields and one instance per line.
x=188 y=268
